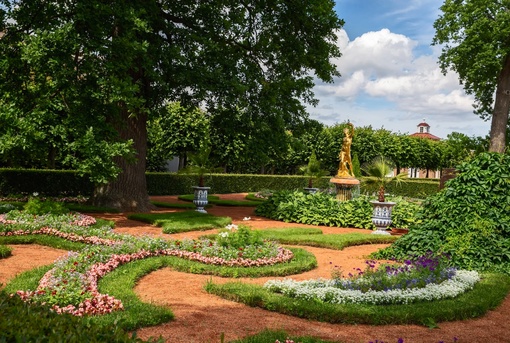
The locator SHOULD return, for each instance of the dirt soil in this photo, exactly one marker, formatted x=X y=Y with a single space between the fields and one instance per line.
x=201 y=317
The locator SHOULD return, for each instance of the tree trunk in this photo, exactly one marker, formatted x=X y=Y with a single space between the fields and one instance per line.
x=501 y=107
x=128 y=192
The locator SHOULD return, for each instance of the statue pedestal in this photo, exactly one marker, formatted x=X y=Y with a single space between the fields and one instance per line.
x=345 y=187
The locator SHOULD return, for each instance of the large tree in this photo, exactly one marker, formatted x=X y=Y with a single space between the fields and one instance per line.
x=107 y=66
x=476 y=38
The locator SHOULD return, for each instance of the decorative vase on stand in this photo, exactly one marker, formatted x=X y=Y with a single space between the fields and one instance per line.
x=200 y=198
x=381 y=216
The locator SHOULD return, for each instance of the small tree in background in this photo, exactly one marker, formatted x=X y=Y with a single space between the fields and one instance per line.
x=377 y=173
x=313 y=170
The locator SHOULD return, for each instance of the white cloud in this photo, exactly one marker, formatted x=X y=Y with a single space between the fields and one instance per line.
x=385 y=81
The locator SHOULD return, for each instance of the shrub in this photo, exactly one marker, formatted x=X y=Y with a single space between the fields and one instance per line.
x=324 y=209
x=47 y=326
x=469 y=219
x=38 y=207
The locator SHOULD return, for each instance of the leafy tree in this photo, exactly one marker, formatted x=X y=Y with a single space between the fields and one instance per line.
x=174 y=131
x=313 y=169
x=475 y=34
x=107 y=66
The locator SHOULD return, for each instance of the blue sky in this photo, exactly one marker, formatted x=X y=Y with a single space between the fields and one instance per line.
x=390 y=75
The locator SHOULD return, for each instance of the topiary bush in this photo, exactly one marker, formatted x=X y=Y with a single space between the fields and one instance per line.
x=469 y=219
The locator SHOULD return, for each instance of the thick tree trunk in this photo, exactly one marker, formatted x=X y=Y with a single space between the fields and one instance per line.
x=501 y=108
x=128 y=192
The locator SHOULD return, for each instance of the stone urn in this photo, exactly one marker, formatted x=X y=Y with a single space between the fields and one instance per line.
x=200 y=198
x=381 y=216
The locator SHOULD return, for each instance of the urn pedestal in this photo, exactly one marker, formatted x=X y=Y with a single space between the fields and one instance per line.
x=381 y=216
x=200 y=198
x=346 y=187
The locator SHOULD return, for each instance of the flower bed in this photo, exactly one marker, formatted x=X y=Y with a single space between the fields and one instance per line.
x=424 y=278
x=71 y=285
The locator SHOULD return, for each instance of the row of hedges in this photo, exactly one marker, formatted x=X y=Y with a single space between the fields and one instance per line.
x=69 y=183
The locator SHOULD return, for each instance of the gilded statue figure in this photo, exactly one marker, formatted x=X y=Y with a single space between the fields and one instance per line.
x=345 y=168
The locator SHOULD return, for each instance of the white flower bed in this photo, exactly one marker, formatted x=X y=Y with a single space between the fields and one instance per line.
x=324 y=290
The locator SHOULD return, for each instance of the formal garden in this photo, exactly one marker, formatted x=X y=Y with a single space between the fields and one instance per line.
x=452 y=265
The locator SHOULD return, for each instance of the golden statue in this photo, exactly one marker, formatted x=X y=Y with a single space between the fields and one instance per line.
x=345 y=167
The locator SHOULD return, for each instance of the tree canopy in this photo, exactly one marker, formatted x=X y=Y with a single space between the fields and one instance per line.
x=475 y=35
x=104 y=68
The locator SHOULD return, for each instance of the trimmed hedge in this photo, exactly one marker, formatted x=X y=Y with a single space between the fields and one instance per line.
x=69 y=183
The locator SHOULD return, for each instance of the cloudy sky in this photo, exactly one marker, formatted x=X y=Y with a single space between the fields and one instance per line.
x=390 y=73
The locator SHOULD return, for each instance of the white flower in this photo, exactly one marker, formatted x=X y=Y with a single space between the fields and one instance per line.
x=223 y=234
x=247 y=218
x=324 y=290
x=231 y=227
x=35 y=194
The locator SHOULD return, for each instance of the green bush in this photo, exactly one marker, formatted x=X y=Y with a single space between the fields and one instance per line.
x=38 y=207
x=324 y=209
x=4 y=208
x=47 y=326
x=5 y=251
x=469 y=219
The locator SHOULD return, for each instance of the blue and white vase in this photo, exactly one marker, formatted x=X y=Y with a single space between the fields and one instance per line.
x=200 y=198
x=381 y=216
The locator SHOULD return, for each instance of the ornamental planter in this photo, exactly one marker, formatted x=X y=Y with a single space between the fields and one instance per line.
x=311 y=190
x=381 y=216
x=200 y=198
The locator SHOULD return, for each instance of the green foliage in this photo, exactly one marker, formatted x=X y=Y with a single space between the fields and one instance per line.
x=376 y=173
x=47 y=326
x=183 y=221
x=356 y=166
x=45 y=182
x=325 y=209
x=5 y=251
x=315 y=238
x=4 y=208
x=313 y=170
x=58 y=183
x=469 y=219
x=486 y=295
x=38 y=207
x=239 y=238
x=267 y=336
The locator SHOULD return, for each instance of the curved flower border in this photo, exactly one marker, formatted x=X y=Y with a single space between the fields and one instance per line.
x=323 y=290
x=86 y=280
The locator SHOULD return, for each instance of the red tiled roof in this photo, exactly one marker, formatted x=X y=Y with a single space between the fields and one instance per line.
x=425 y=135
x=423 y=124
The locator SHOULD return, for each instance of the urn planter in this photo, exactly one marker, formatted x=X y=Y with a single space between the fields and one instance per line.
x=381 y=216
x=200 y=198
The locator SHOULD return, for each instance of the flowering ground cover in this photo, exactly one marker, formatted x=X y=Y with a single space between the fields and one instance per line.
x=71 y=285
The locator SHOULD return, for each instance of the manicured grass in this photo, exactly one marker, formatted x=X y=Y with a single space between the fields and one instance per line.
x=54 y=242
x=270 y=336
x=329 y=241
x=486 y=295
x=121 y=281
x=252 y=197
x=213 y=199
x=90 y=209
x=315 y=238
x=5 y=251
x=183 y=221
x=173 y=205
